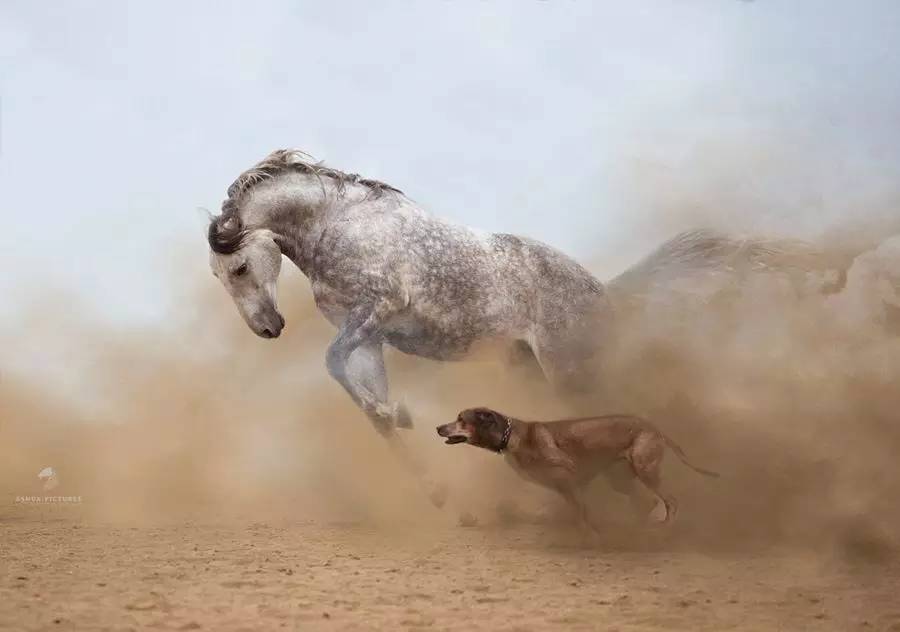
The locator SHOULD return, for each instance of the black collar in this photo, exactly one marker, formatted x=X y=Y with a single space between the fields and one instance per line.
x=504 y=440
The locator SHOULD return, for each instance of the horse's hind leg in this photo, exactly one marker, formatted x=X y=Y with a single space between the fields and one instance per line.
x=569 y=344
x=570 y=361
x=522 y=359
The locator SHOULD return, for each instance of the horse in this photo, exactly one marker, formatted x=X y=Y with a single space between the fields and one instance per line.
x=383 y=271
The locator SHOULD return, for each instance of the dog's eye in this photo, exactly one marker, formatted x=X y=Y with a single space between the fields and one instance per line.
x=241 y=270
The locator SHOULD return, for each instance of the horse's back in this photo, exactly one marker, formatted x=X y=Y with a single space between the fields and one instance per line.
x=465 y=287
x=571 y=317
x=549 y=267
x=558 y=285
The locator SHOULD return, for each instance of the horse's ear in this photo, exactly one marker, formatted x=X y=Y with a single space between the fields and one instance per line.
x=229 y=225
x=285 y=245
x=208 y=218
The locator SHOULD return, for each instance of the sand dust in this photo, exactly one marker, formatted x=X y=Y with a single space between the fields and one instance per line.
x=226 y=483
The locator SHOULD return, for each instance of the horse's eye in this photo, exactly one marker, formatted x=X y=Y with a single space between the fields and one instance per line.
x=240 y=270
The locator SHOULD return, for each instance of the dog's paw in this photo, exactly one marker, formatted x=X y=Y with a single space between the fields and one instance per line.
x=659 y=515
x=467 y=519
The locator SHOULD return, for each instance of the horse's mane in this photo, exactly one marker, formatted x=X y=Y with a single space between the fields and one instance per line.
x=227 y=232
x=286 y=160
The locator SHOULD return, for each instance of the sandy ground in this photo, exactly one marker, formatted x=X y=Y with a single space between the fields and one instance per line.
x=61 y=573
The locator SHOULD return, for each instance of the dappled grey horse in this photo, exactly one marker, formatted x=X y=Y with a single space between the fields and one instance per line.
x=383 y=271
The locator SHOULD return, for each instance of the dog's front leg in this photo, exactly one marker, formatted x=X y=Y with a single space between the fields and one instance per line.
x=575 y=499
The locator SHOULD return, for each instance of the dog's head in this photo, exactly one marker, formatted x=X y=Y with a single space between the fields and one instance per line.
x=481 y=427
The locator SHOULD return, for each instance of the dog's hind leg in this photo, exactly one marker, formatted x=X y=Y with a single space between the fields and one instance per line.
x=622 y=479
x=645 y=456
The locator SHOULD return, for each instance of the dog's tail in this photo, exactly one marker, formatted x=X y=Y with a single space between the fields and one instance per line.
x=683 y=457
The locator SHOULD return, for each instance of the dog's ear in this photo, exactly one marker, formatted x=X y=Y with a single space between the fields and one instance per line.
x=486 y=415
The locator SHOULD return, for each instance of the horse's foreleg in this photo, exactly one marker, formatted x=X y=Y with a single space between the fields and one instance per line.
x=354 y=359
x=366 y=371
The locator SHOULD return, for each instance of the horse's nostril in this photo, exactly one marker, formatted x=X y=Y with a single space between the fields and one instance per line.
x=267 y=333
x=281 y=320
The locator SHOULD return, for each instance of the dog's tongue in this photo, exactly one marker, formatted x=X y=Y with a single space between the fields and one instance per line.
x=456 y=439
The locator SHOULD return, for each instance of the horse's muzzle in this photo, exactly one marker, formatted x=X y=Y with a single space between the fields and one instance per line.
x=273 y=330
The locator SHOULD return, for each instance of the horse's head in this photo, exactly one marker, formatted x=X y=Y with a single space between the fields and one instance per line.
x=247 y=262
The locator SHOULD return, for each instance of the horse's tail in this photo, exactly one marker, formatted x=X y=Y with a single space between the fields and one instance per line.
x=692 y=257
x=683 y=457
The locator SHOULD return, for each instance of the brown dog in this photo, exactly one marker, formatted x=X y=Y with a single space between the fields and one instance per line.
x=566 y=455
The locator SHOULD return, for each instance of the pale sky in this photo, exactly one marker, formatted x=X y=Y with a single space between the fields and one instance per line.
x=118 y=119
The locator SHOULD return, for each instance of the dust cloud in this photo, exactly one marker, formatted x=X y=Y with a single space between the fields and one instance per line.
x=790 y=394
x=202 y=420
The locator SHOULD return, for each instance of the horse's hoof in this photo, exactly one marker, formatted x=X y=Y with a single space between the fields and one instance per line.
x=438 y=495
x=384 y=427
x=402 y=418
x=467 y=520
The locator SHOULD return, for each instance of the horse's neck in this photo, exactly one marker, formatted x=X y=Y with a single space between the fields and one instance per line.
x=299 y=236
x=299 y=244
x=298 y=213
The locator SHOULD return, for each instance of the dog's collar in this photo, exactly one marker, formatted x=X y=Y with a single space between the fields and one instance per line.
x=504 y=440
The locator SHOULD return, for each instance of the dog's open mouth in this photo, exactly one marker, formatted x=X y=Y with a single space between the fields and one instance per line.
x=455 y=439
